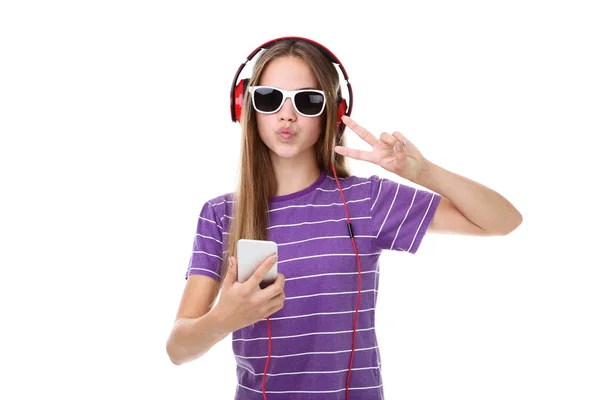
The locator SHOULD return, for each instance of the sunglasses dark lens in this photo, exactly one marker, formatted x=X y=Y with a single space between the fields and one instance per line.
x=267 y=99
x=309 y=103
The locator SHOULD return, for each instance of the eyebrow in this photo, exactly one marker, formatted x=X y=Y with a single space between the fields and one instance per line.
x=302 y=88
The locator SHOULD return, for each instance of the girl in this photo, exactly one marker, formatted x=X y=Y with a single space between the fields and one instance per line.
x=315 y=339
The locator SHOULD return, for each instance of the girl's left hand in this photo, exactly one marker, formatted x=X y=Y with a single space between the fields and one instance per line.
x=393 y=152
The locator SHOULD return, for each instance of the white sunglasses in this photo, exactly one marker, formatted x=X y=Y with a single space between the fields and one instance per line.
x=269 y=100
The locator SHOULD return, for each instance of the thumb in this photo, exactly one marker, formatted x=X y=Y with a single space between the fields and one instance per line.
x=231 y=276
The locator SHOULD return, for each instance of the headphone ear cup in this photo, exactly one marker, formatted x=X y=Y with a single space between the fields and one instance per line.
x=238 y=95
x=341 y=111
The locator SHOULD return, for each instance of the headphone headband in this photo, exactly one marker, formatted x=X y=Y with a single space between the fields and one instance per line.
x=237 y=90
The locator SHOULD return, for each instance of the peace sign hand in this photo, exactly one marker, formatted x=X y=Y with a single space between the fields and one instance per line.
x=393 y=152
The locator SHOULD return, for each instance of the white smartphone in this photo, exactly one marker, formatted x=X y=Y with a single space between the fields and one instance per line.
x=250 y=255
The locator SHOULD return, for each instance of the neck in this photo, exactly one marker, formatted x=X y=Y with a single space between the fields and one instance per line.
x=295 y=175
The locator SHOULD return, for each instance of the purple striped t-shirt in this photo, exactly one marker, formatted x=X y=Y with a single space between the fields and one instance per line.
x=312 y=334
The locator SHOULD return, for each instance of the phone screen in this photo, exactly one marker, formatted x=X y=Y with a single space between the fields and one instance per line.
x=251 y=254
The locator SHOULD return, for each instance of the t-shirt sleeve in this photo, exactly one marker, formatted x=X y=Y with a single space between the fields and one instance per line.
x=207 y=251
x=400 y=214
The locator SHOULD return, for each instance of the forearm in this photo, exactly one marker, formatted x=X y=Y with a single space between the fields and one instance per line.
x=481 y=205
x=191 y=338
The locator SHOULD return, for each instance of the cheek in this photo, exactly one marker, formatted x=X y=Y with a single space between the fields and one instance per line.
x=313 y=127
x=265 y=124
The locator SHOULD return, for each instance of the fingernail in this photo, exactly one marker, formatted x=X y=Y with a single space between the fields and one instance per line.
x=274 y=258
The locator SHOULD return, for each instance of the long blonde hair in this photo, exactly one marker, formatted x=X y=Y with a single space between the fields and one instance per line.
x=256 y=177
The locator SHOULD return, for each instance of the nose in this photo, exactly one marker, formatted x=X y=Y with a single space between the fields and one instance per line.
x=287 y=111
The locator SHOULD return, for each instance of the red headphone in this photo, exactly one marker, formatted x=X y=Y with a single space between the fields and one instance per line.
x=238 y=89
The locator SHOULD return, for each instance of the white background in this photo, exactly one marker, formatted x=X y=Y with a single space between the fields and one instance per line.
x=115 y=129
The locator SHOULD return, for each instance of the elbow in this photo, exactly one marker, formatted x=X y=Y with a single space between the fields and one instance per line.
x=508 y=226
x=177 y=351
x=515 y=222
x=518 y=219
x=171 y=349
x=171 y=354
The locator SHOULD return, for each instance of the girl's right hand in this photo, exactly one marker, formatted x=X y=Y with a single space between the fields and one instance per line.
x=243 y=304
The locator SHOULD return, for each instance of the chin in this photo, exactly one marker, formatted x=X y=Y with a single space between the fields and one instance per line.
x=285 y=153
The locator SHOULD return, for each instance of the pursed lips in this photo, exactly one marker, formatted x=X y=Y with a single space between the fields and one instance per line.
x=285 y=131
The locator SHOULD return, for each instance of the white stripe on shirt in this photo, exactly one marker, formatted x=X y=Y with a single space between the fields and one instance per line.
x=390 y=209
x=405 y=216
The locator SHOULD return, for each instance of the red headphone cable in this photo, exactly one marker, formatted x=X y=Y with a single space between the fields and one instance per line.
x=359 y=281
x=351 y=233
x=268 y=359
